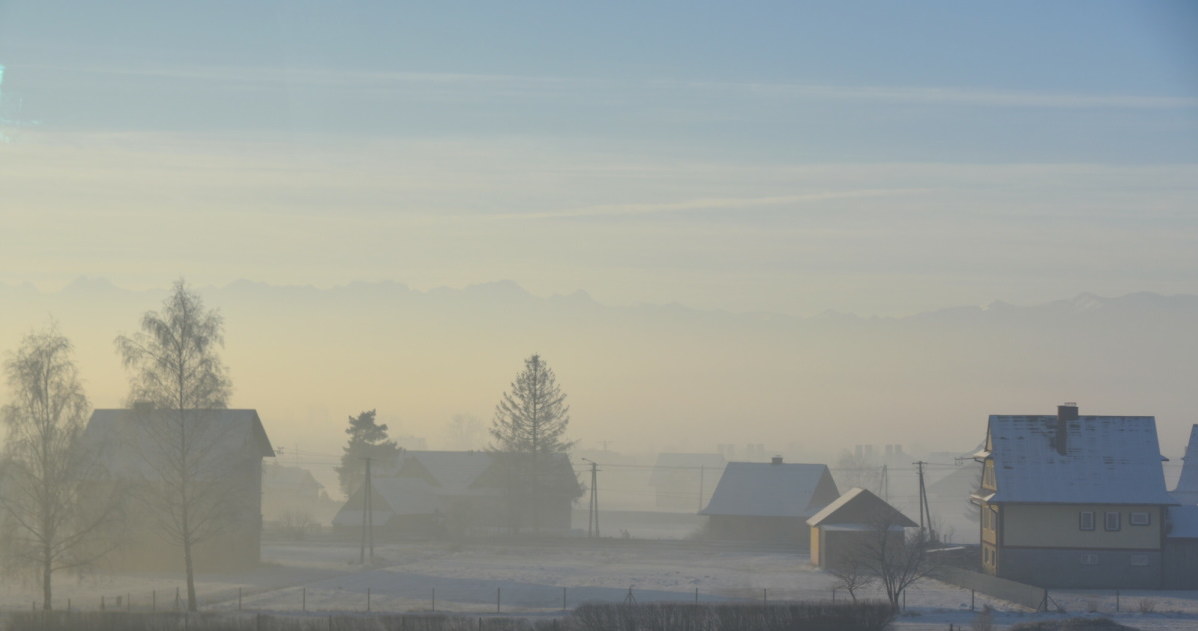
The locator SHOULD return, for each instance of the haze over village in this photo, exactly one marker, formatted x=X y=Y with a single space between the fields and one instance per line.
x=873 y=314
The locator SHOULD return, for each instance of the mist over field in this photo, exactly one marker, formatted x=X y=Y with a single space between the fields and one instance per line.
x=649 y=378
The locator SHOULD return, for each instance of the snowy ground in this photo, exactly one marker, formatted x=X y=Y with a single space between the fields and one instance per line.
x=525 y=578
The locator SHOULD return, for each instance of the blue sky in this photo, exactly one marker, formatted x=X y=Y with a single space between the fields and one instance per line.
x=877 y=157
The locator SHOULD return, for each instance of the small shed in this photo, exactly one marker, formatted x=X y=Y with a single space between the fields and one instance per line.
x=768 y=502
x=852 y=522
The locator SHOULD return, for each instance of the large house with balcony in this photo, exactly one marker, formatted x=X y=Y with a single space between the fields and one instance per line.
x=1073 y=501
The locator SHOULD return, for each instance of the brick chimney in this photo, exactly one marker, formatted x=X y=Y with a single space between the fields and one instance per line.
x=1065 y=413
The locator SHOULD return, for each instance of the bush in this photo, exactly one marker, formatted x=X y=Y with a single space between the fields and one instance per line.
x=1073 y=624
x=871 y=616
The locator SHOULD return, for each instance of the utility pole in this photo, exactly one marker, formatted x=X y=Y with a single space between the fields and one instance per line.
x=367 y=517
x=593 y=516
x=924 y=509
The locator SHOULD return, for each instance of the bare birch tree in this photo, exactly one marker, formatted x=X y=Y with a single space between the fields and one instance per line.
x=55 y=505
x=896 y=559
x=175 y=369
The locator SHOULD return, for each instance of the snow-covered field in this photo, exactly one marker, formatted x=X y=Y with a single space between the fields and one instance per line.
x=531 y=579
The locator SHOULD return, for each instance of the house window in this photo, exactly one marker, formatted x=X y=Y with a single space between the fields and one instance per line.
x=1139 y=560
x=1089 y=558
x=1112 y=521
x=1139 y=519
x=1085 y=520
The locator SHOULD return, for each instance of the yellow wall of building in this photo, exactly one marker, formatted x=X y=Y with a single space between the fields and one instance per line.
x=1056 y=526
x=989 y=517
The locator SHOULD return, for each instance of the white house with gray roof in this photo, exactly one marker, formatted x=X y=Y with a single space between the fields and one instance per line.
x=1073 y=501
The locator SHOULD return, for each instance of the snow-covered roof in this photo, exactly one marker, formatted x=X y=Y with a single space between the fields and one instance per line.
x=392 y=497
x=451 y=471
x=461 y=473
x=772 y=490
x=859 y=508
x=131 y=443
x=1186 y=491
x=1105 y=460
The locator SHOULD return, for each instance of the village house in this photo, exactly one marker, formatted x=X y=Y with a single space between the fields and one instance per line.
x=293 y=493
x=768 y=502
x=138 y=451
x=852 y=525
x=1073 y=501
x=434 y=493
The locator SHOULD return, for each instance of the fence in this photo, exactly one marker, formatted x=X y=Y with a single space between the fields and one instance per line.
x=179 y=621
x=445 y=597
x=865 y=616
x=1022 y=594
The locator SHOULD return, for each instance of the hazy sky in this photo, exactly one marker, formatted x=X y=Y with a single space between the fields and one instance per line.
x=881 y=158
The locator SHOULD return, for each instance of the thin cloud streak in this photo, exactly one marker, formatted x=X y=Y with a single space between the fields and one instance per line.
x=504 y=84
x=621 y=210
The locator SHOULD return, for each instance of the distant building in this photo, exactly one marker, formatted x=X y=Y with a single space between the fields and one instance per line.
x=1073 y=501
x=685 y=481
x=851 y=523
x=1186 y=491
x=288 y=492
x=456 y=493
x=136 y=449
x=768 y=502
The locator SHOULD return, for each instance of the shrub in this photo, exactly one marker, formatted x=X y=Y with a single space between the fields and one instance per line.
x=872 y=616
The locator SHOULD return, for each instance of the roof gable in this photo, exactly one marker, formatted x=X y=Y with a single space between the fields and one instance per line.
x=772 y=490
x=123 y=439
x=471 y=472
x=450 y=471
x=1088 y=460
x=860 y=506
x=1186 y=490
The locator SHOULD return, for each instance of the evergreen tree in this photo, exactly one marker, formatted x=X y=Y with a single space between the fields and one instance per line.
x=533 y=416
x=529 y=431
x=367 y=439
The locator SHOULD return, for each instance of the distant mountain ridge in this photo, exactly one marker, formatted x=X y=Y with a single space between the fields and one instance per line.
x=511 y=291
x=673 y=376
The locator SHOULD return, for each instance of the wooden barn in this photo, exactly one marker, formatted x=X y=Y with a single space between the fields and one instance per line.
x=768 y=502
x=139 y=450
